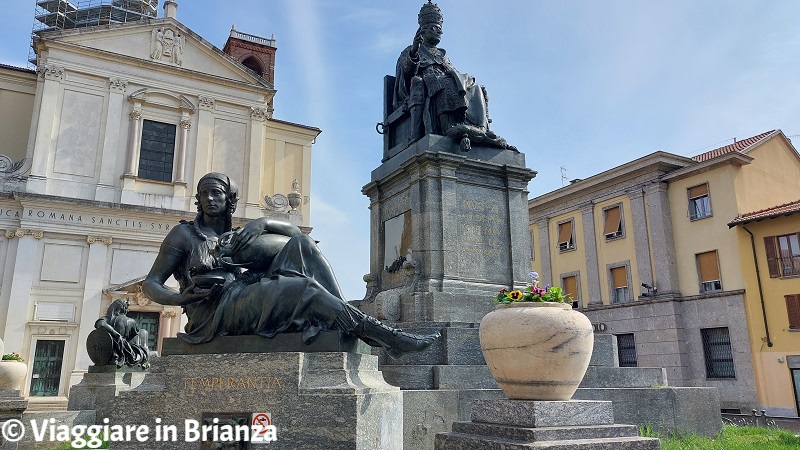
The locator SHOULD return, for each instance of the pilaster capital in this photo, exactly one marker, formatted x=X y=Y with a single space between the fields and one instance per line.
x=117 y=85
x=541 y=222
x=22 y=232
x=206 y=102
x=135 y=114
x=101 y=239
x=635 y=194
x=186 y=123
x=587 y=209
x=168 y=313
x=260 y=113
x=51 y=72
x=656 y=188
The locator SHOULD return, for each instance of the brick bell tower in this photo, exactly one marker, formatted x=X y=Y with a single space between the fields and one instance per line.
x=254 y=52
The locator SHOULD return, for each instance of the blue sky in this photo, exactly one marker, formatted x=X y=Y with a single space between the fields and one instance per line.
x=587 y=85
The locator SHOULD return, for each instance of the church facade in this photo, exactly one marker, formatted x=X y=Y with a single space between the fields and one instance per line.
x=102 y=146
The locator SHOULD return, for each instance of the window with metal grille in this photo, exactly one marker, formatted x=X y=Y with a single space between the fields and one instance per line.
x=157 y=151
x=626 y=349
x=46 y=372
x=718 y=352
x=699 y=202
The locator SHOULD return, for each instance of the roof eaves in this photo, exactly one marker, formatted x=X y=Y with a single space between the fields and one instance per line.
x=734 y=158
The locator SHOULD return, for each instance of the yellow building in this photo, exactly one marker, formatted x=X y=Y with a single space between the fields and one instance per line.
x=646 y=251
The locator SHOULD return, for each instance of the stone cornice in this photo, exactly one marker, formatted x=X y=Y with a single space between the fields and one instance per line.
x=652 y=166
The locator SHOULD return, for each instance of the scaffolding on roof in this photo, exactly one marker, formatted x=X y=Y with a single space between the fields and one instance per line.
x=66 y=14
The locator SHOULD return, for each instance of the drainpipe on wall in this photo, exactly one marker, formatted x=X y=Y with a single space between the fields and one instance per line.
x=760 y=290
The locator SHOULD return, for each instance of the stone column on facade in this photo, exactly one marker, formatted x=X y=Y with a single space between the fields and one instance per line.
x=164 y=327
x=180 y=158
x=205 y=136
x=641 y=240
x=26 y=268
x=662 y=240
x=252 y=195
x=545 y=269
x=592 y=267
x=44 y=144
x=134 y=141
x=108 y=159
x=96 y=269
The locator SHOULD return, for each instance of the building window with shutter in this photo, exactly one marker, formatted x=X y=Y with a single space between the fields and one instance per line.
x=793 y=311
x=718 y=352
x=708 y=271
x=566 y=236
x=619 y=284
x=699 y=202
x=569 y=283
x=626 y=350
x=157 y=151
x=612 y=225
x=783 y=255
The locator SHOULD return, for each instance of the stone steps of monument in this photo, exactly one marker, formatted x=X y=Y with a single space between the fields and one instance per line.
x=624 y=377
x=460 y=441
x=527 y=434
x=457 y=346
x=439 y=376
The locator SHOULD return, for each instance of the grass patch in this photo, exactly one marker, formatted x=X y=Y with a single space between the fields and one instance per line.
x=737 y=438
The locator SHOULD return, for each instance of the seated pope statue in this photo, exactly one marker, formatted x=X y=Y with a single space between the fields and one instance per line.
x=441 y=100
x=288 y=285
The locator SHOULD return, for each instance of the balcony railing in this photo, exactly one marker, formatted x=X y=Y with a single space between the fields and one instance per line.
x=790 y=265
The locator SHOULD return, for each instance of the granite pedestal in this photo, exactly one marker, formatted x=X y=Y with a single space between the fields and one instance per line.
x=330 y=400
x=449 y=230
x=523 y=424
x=12 y=405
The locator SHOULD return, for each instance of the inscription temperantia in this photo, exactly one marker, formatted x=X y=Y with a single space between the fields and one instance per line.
x=231 y=383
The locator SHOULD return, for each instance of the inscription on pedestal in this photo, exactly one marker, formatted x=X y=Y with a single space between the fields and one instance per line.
x=231 y=383
x=483 y=237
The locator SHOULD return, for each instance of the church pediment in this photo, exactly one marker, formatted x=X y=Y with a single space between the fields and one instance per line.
x=162 y=42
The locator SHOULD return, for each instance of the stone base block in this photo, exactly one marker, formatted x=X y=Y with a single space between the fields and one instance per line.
x=604 y=352
x=667 y=410
x=315 y=400
x=532 y=413
x=624 y=377
x=12 y=405
x=517 y=425
x=100 y=385
x=426 y=413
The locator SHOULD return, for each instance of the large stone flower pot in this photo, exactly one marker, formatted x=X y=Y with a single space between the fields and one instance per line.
x=12 y=373
x=537 y=350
